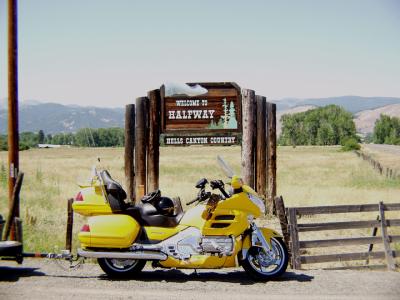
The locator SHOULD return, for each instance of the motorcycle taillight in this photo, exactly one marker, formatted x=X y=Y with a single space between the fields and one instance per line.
x=85 y=228
x=79 y=197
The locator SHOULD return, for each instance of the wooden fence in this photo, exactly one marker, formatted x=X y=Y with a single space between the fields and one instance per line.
x=297 y=245
x=383 y=170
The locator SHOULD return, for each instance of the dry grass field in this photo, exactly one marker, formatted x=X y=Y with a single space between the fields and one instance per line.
x=387 y=155
x=306 y=176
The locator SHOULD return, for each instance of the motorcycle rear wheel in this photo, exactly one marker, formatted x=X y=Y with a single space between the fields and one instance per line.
x=118 y=268
x=255 y=269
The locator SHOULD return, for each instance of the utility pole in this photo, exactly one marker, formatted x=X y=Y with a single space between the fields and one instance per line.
x=13 y=138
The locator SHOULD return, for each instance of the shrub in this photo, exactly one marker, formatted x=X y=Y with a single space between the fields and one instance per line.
x=23 y=146
x=350 y=144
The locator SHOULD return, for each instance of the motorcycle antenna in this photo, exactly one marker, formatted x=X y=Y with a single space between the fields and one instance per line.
x=225 y=167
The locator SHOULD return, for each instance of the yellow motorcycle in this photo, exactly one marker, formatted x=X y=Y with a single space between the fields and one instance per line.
x=218 y=232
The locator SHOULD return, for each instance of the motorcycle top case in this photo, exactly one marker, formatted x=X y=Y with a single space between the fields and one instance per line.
x=110 y=231
x=93 y=203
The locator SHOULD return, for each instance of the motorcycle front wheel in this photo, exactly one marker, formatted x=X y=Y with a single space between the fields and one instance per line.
x=118 y=268
x=260 y=267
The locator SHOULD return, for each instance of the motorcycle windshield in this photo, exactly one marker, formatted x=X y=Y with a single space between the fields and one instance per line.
x=225 y=167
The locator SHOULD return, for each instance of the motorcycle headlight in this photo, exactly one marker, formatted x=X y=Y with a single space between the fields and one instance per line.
x=257 y=201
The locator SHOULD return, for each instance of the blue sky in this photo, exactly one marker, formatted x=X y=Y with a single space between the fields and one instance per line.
x=107 y=53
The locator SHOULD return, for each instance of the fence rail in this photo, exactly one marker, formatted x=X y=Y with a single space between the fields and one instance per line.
x=296 y=245
x=336 y=209
x=386 y=171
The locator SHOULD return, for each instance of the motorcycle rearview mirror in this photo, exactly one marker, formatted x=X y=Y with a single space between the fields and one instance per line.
x=201 y=183
x=225 y=167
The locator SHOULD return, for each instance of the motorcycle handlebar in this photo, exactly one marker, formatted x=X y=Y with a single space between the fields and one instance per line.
x=192 y=201
x=201 y=196
x=219 y=184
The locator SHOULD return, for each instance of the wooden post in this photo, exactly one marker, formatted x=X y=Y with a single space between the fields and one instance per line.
x=141 y=144
x=294 y=239
x=129 y=151
x=281 y=212
x=70 y=222
x=261 y=147
x=371 y=246
x=13 y=207
x=386 y=242
x=140 y=191
x=13 y=138
x=248 y=138
x=271 y=152
x=153 y=151
x=18 y=230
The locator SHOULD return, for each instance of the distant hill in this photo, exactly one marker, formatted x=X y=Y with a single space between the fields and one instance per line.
x=53 y=118
x=365 y=120
x=353 y=104
x=290 y=111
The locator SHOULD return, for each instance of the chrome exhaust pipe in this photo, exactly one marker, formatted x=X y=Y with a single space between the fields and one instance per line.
x=147 y=255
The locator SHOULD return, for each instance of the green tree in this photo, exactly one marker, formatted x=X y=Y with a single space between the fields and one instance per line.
x=291 y=130
x=49 y=139
x=28 y=140
x=327 y=125
x=3 y=143
x=387 y=130
x=41 y=137
x=325 y=134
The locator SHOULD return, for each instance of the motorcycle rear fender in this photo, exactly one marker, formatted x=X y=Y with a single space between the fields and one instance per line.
x=267 y=233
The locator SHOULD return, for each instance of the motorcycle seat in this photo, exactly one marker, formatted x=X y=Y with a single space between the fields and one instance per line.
x=147 y=215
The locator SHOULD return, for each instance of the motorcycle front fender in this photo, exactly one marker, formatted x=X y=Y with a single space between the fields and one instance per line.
x=248 y=243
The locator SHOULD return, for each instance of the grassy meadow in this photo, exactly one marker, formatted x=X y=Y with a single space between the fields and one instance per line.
x=389 y=158
x=306 y=176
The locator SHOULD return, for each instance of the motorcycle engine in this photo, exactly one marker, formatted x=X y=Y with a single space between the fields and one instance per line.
x=191 y=242
x=217 y=244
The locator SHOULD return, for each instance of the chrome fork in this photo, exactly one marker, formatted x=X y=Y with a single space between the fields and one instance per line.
x=257 y=235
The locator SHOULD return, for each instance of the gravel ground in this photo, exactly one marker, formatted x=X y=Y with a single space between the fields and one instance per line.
x=44 y=279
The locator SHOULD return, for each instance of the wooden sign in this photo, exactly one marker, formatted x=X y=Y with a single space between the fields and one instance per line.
x=181 y=140
x=217 y=110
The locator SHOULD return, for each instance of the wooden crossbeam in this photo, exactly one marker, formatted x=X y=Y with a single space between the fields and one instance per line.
x=346 y=241
x=314 y=210
x=345 y=225
x=345 y=257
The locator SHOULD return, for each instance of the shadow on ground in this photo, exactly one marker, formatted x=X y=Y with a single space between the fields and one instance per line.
x=13 y=274
x=205 y=276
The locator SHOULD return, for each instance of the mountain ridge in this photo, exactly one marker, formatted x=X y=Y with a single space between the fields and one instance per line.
x=55 y=118
x=353 y=104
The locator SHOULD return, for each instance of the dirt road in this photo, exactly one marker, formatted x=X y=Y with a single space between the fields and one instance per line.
x=393 y=149
x=41 y=279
